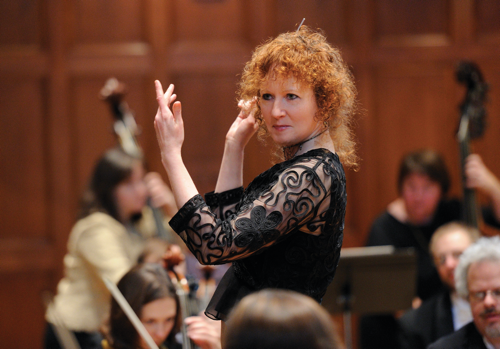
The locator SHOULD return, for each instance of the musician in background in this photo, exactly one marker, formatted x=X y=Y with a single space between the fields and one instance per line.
x=477 y=279
x=107 y=240
x=446 y=311
x=152 y=295
x=411 y=219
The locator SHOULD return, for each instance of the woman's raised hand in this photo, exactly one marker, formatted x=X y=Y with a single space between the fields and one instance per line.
x=168 y=122
x=245 y=125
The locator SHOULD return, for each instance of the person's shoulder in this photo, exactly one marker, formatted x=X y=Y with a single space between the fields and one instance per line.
x=321 y=160
x=416 y=318
x=97 y=219
x=460 y=339
x=385 y=224
x=95 y=222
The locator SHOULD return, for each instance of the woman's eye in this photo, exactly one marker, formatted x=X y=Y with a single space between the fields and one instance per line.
x=266 y=96
x=291 y=96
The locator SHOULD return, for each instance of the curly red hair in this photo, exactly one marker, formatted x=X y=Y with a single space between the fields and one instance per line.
x=310 y=59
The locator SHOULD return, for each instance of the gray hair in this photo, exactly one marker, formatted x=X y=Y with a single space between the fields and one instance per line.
x=484 y=249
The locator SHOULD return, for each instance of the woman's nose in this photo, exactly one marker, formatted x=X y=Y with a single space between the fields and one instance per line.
x=277 y=110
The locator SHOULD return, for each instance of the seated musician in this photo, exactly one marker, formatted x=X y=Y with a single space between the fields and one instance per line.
x=446 y=311
x=411 y=219
x=152 y=295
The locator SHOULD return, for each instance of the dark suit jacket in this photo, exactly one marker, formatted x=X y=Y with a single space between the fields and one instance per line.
x=426 y=324
x=467 y=337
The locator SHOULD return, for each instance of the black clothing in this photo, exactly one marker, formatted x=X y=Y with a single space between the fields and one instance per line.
x=284 y=231
x=387 y=230
x=426 y=324
x=382 y=330
x=467 y=337
x=86 y=340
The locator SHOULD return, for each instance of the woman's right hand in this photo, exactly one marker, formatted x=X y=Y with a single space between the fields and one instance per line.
x=168 y=122
x=245 y=125
x=205 y=333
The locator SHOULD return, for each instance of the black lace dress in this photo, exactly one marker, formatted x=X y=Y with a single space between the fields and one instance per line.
x=284 y=231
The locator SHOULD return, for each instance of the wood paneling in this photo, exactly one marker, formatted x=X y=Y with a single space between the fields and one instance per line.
x=56 y=55
x=412 y=23
x=22 y=132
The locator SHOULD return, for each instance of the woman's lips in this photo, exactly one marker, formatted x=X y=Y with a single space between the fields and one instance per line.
x=280 y=127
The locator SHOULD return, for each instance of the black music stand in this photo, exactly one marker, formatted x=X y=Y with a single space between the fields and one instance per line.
x=378 y=279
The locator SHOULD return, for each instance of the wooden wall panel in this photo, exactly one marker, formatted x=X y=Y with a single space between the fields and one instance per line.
x=28 y=18
x=487 y=24
x=21 y=325
x=413 y=22
x=23 y=181
x=418 y=118
x=331 y=16
x=112 y=21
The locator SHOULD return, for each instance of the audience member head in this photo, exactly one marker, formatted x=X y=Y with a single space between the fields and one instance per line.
x=309 y=59
x=116 y=186
x=279 y=319
x=151 y=294
x=478 y=279
x=447 y=244
x=422 y=182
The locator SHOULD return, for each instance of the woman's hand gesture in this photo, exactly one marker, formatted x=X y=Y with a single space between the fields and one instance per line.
x=245 y=125
x=168 y=122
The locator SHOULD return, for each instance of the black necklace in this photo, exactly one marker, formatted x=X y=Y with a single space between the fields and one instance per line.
x=288 y=151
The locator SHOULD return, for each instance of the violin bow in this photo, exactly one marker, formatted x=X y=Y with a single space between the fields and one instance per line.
x=127 y=309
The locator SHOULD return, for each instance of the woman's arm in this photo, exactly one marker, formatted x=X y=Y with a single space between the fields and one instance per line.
x=298 y=199
x=170 y=135
x=240 y=132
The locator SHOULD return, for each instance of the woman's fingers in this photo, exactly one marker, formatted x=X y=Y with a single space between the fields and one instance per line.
x=247 y=107
x=164 y=99
x=177 y=111
x=172 y=98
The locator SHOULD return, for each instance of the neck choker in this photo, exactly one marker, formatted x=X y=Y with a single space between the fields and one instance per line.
x=290 y=150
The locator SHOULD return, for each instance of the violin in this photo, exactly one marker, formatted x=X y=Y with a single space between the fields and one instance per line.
x=172 y=258
x=471 y=126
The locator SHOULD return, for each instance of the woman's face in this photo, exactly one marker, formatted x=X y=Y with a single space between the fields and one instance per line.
x=158 y=318
x=288 y=109
x=131 y=194
x=421 y=196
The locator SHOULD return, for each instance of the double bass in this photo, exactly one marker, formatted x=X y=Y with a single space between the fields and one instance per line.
x=471 y=126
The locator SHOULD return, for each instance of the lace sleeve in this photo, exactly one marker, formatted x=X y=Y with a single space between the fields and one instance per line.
x=296 y=199
x=223 y=204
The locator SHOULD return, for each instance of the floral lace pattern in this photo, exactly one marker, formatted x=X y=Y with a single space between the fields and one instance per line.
x=284 y=230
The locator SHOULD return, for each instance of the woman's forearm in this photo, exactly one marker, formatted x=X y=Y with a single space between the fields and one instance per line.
x=182 y=184
x=231 y=170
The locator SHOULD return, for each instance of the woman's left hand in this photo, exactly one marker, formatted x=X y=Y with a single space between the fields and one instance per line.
x=245 y=125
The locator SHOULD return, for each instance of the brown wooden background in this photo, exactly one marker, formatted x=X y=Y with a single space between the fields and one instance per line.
x=55 y=55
